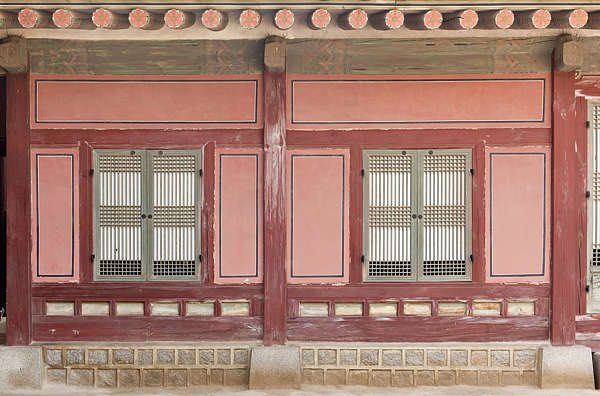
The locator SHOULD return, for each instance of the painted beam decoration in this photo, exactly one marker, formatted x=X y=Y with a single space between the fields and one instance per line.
x=353 y=19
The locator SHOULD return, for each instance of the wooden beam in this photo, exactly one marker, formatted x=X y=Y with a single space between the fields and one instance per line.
x=18 y=254
x=460 y=20
x=568 y=54
x=571 y=19
x=565 y=251
x=30 y=18
x=13 y=55
x=106 y=19
x=67 y=19
x=214 y=20
x=145 y=20
x=353 y=20
x=428 y=20
x=388 y=20
x=178 y=19
x=250 y=19
x=8 y=20
x=274 y=219
x=284 y=19
x=532 y=19
x=496 y=19
x=319 y=19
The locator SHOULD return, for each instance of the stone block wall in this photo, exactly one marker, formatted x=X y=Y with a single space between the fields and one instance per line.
x=146 y=365
x=377 y=365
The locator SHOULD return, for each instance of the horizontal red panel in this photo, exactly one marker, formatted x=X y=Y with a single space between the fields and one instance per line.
x=159 y=102
x=419 y=101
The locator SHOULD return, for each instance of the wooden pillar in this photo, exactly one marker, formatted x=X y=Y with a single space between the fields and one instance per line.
x=274 y=193
x=565 y=249
x=13 y=58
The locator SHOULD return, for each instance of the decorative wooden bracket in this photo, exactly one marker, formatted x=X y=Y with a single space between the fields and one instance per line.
x=13 y=55
x=274 y=54
x=568 y=53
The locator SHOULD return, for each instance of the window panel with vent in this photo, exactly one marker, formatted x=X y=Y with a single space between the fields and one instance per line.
x=417 y=215
x=146 y=215
x=593 y=275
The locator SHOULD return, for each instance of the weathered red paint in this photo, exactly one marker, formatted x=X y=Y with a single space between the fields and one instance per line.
x=208 y=213
x=274 y=208
x=465 y=101
x=565 y=249
x=18 y=289
x=55 y=214
x=189 y=102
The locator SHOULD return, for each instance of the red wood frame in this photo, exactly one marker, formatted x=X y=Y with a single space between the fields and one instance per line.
x=565 y=248
x=274 y=240
x=18 y=275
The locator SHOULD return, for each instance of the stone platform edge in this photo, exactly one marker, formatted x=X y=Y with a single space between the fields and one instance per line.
x=122 y=365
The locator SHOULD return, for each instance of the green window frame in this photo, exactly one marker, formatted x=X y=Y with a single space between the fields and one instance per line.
x=417 y=215
x=147 y=214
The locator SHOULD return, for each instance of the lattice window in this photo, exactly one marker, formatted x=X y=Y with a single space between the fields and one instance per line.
x=594 y=207
x=146 y=215
x=417 y=215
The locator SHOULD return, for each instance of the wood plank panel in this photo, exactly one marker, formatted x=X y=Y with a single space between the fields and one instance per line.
x=449 y=290
x=156 y=290
x=55 y=214
x=518 y=214
x=345 y=102
x=419 y=329
x=191 y=102
x=318 y=216
x=144 y=329
x=239 y=213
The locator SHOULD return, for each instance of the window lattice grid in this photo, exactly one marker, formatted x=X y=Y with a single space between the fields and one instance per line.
x=389 y=216
x=444 y=215
x=174 y=215
x=594 y=202
x=119 y=213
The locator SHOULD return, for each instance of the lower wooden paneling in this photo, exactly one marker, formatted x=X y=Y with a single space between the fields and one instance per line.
x=419 y=329
x=52 y=329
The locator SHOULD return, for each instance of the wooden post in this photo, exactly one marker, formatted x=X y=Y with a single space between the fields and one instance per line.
x=274 y=193
x=18 y=269
x=496 y=19
x=388 y=20
x=353 y=20
x=565 y=250
x=429 y=20
x=466 y=19
x=30 y=19
x=67 y=19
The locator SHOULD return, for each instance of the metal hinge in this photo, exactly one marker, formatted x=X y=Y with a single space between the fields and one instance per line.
x=200 y=257
x=587 y=124
x=472 y=172
x=471 y=257
x=91 y=171
x=588 y=194
x=93 y=257
x=362 y=172
x=362 y=258
x=587 y=288
x=200 y=172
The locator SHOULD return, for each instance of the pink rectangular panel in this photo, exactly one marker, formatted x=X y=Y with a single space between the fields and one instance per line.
x=238 y=216
x=155 y=102
x=418 y=101
x=55 y=220
x=318 y=203
x=518 y=214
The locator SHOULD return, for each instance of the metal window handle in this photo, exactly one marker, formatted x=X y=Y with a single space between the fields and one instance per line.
x=149 y=216
x=420 y=216
x=143 y=216
x=414 y=216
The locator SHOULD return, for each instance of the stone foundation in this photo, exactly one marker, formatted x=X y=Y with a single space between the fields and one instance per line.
x=370 y=364
x=420 y=365
x=146 y=365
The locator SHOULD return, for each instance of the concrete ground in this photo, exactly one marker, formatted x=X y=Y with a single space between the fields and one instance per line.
x=310 y=391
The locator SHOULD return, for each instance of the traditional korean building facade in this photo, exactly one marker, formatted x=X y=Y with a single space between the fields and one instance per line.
x=399 y=195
